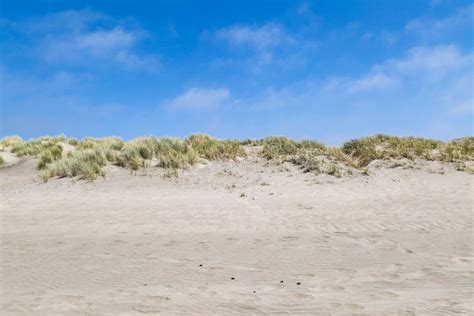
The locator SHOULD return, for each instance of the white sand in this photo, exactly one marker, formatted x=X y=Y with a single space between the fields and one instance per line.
x=397 y=242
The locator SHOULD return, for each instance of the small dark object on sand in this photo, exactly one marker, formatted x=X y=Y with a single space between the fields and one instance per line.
x=255 y=291
x=232 y=278
x=145 y=284
x=281 y=281
x=298 y=283
x=200 y=265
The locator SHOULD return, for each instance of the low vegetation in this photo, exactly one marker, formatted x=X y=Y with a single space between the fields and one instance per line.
x=47 y=149
x=365 y=150
x=9 y=141
x=86 y=164
x=67 y=157
x=90 y=155
x=310 y=155
x=212 y=149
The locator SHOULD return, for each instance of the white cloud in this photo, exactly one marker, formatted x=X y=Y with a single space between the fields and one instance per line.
x=72 y=21
x=262 y=41
x=433 y=84
x=199 y=99
x=85 y=37
x=370 y=82
x=430 y=26
x=438 y=58
x=258 y=37
x=421 y=66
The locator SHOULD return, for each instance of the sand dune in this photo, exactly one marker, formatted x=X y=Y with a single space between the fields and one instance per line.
x=245 y=237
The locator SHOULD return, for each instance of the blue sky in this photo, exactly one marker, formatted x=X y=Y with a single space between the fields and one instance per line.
x=328 y=70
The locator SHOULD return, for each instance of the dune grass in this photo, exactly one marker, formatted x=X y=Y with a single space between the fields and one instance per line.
x=86 y=164
x=2 y=161
x=9 y=142
x=47 y=149
x=91 y=155
x=310 y=155
x=367 y=149
x=359 y=153
x=278 y=146
x=210 y=148
x=167 y=152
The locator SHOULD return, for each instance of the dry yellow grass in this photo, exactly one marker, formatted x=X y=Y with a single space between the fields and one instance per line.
x=92 y=154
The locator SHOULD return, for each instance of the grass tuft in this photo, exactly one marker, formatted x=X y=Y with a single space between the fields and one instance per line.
x=86 y=164
x=367 y=149
x=91 y=155
x=10 y=141
x=212 y=149
x=310 y=155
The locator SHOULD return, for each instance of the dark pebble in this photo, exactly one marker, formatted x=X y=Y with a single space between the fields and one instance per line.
x=254 y=292
x=200 y=265
x=281 y=281
x=298 y=283
x=232 y=278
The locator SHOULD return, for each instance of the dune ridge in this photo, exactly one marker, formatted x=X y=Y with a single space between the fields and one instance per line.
x=243 y=235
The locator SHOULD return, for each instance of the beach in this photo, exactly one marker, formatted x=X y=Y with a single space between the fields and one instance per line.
x=238 y=237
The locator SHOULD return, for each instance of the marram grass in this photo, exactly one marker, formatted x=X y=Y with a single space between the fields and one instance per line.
x=367 y=149
x=90 y=155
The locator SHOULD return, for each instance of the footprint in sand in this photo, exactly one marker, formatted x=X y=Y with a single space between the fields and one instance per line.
x=172 y=243
x=304 y=275
x=353 y=307
x=302 y=296
x=289 y=238
x=155 y=299
x=462 y=259
x=146 y=309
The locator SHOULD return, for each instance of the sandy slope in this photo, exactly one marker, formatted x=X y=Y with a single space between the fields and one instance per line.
x=397 y=242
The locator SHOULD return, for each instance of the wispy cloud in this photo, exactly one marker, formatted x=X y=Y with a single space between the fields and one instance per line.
x=261 y=37
x=262 y=40
x=440 y=59
x=87 y=37
x=199 y=99
x=371 y=82
x=426 y=26
x=430 y=83
x=421 y=66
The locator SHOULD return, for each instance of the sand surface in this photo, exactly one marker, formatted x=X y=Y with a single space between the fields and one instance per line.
x=238 y=238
